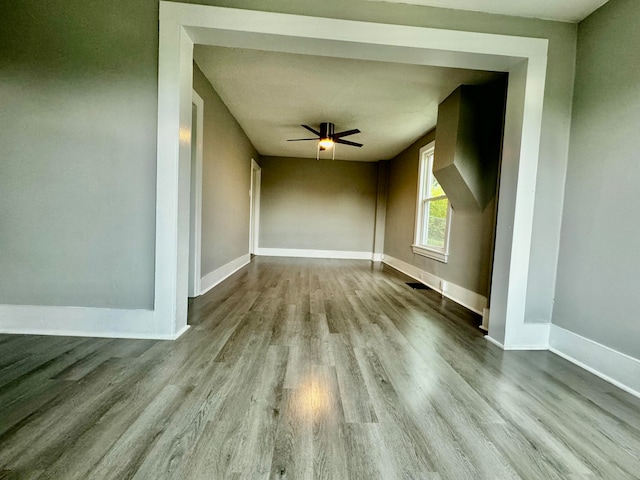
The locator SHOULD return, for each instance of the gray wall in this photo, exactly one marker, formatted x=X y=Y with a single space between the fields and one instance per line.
x=79 y=86
x=318 y=204
x=471 y=240
x=381 y=207
x=597 y=286
x=226 y=180
x=78 y=90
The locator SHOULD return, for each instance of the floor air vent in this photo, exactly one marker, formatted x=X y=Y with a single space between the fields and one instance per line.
x=418 y=286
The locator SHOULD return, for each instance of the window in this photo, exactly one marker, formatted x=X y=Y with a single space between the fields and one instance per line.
x=433 y=211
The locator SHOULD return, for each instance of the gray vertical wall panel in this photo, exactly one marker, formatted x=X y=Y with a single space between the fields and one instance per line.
x=226 y=180
x=78 y=96
x=597 y=285
x=318 y=204
x=381 y=207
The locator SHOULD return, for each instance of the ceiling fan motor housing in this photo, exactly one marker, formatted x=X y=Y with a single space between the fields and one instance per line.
x=327 y=131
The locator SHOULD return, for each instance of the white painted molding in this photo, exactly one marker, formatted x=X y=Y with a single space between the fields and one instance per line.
x=212 y=279
x=494 y=341
x=426 y=252
x=254 y=206
x=195 y=216
x=528 y=336
x=377 y=257
x=535 y=337
x=182 y=25
x=471 y=300
x=175 y=94
x=615 y=367
x=306 y=253
x=82 y=322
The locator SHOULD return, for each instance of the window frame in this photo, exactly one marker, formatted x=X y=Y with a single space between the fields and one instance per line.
x=426 y=169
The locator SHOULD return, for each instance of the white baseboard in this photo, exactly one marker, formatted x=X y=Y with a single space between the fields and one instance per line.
x=471 y=300
x=528 y=336
x=99 y=322
x=81 y=322
x=212 y=279
x=377 y=257
x=494 y=341
x=615 y=367
x=305 y=253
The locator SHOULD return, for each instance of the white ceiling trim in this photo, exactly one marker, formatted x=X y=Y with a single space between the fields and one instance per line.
x=251 y=29
x=572 y=11
x=370 y=41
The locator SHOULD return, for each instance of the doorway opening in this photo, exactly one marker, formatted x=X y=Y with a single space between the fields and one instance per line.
x=254 y=214
x=524 y=58
x=195 y=202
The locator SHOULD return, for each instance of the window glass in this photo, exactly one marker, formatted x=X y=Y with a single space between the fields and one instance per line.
x=433 y=212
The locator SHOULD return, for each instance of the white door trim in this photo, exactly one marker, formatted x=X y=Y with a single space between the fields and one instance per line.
x=254 y=209
x=182 y=25
x=195 y=234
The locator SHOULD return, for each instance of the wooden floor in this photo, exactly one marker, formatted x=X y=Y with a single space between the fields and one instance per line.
x=302 y=369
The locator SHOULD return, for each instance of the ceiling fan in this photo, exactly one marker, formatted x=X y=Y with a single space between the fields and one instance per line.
x=327 y=137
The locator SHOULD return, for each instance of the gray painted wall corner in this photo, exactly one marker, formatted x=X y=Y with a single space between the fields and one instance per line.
x=598 y=264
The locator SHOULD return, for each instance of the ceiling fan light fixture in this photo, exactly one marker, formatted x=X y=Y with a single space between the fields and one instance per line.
x=328 y=138
x=325 y=143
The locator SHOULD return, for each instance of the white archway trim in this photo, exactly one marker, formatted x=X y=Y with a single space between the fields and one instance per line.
x=195 y=203
x=254 y=209
x=182 y=25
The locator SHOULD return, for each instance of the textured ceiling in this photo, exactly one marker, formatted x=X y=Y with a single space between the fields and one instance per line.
x=271 y=94
x=560 y=10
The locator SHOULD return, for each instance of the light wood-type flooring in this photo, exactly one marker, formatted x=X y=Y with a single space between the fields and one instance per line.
x=302 y=369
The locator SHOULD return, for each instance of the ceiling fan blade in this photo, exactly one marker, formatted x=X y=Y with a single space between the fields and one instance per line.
x=346 y=142
x=346 y=133
x=311 y=129
x=300 y=139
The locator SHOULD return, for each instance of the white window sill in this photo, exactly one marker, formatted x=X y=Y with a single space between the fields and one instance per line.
x=427 y=252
